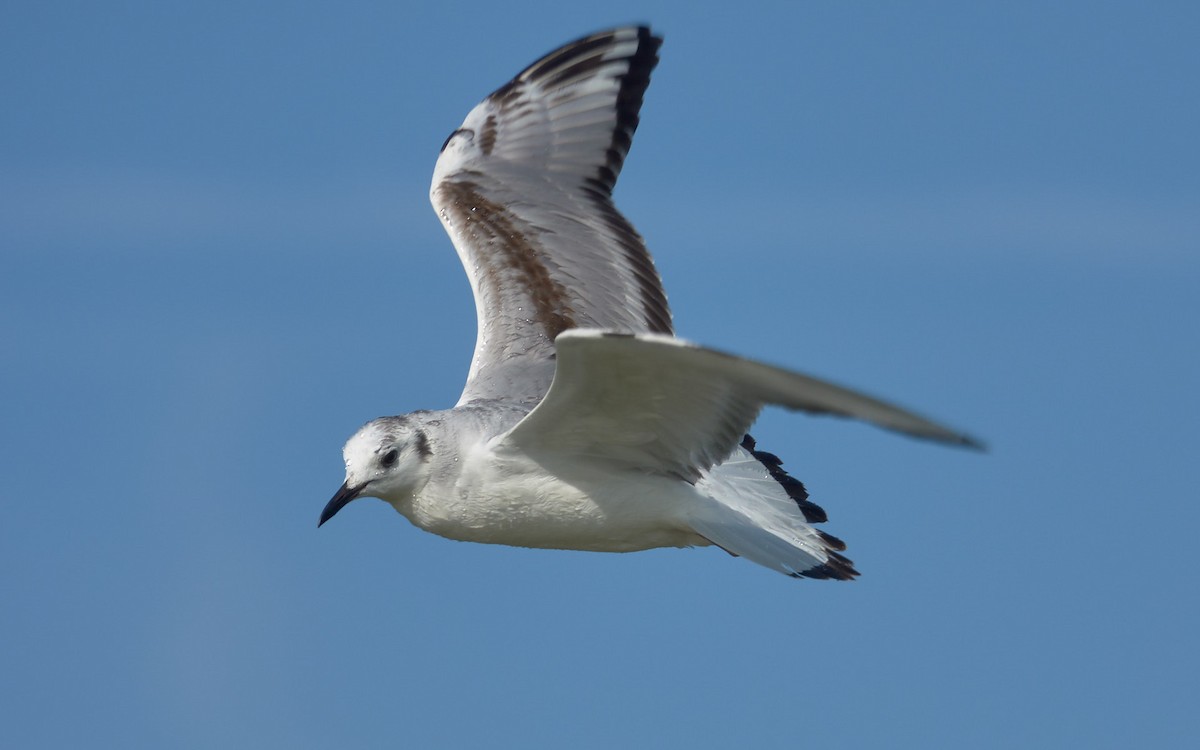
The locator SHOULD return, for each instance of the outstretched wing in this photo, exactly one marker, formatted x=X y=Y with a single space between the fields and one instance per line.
x=662 y=405
x=524 y=189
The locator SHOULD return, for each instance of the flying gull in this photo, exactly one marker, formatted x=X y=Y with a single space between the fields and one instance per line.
x=585 y=424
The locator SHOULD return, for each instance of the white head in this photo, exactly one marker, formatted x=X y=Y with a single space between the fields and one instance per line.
x=388 y=458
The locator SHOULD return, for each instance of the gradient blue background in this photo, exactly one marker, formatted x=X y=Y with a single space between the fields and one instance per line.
x=218 y=260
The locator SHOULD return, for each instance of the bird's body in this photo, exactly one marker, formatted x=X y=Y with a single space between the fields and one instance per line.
x=507 y=497
x=498 y=496
x=584 y=423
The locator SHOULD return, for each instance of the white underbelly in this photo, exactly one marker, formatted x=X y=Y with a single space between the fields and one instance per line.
x=526 y=505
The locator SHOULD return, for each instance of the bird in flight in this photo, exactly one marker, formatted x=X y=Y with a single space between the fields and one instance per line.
x=584 y=423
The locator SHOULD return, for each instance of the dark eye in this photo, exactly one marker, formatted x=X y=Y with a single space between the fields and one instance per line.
x=389 y=458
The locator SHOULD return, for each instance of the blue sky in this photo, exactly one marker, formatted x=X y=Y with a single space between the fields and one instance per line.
x=217 y=260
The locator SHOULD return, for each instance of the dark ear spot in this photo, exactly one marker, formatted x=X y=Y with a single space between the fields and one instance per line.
x=422 y=445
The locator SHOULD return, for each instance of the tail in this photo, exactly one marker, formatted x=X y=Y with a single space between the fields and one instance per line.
x=759 y=512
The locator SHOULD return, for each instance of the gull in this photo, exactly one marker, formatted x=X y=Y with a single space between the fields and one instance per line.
x=584 y=423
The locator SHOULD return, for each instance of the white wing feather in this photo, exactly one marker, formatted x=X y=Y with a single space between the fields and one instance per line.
x=662 y=405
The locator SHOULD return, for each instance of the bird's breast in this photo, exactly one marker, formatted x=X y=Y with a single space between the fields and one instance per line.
x=518 y=502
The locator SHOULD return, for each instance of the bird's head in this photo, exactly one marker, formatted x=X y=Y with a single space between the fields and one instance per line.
x=388 y=458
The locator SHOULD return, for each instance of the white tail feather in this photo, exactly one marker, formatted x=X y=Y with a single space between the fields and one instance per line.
x=751 y=515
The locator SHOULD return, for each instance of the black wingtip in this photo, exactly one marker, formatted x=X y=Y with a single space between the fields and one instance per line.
x=829 y=572
x=975 y=444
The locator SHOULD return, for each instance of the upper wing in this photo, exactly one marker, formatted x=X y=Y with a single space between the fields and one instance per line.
x=524 y=189
x=662 y=405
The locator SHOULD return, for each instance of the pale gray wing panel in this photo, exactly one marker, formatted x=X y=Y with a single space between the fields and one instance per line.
x=663 y=405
